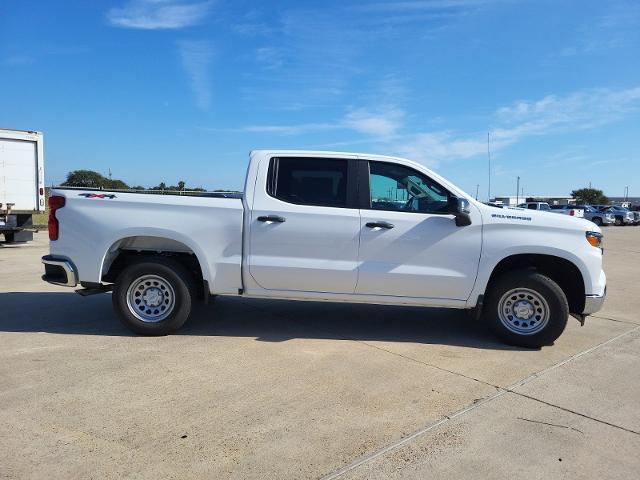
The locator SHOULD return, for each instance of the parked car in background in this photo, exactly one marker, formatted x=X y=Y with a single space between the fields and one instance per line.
x=585 y=211
x=623 y=216
x=543 y=206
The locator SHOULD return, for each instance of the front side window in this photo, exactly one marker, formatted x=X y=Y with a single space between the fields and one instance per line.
x=399 y=188
x=309 y=181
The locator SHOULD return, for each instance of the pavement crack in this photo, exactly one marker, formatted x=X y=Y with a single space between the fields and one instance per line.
x=501 y=391
x=614 y=320
x=550 y=424
x=453 y=372
x=568 y=410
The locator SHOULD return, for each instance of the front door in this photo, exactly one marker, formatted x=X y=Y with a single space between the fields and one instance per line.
x=303 y=232
x=409 y=245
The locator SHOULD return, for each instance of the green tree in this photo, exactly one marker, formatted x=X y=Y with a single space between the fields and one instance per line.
x=91 y=179
x=181 y=185
x=85 y=178
x=116 y=185
x=590 y=196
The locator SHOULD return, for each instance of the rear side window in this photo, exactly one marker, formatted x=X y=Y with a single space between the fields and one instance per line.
x=309 y=181
x=532 y=206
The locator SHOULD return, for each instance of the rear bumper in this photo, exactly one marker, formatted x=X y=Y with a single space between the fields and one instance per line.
x=59 y=271
x=593 y=303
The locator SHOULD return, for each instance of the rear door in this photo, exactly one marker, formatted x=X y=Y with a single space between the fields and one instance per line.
x=18 y=174
x=305 y=226
x=409 y=245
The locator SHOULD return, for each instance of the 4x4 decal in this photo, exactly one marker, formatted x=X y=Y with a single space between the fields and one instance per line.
x=97 y=195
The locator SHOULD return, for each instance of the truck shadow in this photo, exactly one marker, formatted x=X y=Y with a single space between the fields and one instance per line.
x=264 y=320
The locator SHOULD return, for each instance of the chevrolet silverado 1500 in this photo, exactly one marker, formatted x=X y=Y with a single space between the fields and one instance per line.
x=328 y=226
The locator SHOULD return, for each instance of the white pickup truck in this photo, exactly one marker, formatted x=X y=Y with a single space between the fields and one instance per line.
x=327 y=226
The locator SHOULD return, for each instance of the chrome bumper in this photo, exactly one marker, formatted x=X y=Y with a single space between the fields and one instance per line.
x=593 y=303
x=59 y=271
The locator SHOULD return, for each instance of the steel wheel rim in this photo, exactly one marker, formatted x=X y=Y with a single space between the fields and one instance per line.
x=151 y=298
x=523 y=311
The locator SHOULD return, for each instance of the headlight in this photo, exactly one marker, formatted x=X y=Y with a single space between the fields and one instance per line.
x=594 y=239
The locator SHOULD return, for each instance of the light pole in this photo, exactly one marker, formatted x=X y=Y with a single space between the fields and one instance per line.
x=477 y=188
x=489 y=157
x=518 y=191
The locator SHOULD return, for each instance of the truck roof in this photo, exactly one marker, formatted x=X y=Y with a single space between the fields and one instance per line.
x=320 y=153
x=14 y=130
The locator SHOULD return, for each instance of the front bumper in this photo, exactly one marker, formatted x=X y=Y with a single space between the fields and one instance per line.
x=59 y=271
x=593 y=303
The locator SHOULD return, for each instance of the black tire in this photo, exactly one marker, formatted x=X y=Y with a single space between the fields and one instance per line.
x=619 y=222
x=9 y=237
x=543 y=330
x=597 y=221
x=172 y=276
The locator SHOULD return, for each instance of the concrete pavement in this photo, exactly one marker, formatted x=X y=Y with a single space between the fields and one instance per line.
x=274 y=389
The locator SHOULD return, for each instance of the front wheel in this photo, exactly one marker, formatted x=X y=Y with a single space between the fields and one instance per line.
x=526 y=308
x=597 y=221
x=154 y=296
x=619 y=222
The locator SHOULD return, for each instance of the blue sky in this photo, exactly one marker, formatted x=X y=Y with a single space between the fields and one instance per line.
x=168 y=90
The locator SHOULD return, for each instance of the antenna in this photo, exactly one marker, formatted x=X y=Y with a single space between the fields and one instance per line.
x=489 y=157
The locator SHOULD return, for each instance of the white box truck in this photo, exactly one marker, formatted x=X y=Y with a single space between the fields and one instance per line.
x=21 y=183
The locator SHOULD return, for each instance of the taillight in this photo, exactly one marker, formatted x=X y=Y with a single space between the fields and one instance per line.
x=55 y=202
x=572 y=213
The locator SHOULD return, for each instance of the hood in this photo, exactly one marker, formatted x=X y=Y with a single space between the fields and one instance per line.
x=535 y=218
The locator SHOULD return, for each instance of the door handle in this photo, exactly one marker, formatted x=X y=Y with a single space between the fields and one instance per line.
x=386 y=225
x=271 y=218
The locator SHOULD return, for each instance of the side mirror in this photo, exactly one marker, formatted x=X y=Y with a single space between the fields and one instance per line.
x=459 y=207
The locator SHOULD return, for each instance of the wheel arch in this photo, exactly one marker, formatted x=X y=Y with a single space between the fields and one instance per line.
x=562 y=271
x=122 y=251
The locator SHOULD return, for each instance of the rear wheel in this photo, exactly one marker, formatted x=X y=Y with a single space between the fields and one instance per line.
x=527 y=309
x=154 y=296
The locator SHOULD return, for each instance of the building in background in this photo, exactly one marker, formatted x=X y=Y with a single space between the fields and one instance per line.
x=512 y=201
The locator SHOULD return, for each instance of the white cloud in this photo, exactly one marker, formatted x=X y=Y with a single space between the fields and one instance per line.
x=270 y=57
x=580 y=110
x=434 y=147
x=197 y=57
x=553 y=114
x=18 y=60
x=383 y=124
x=158 y=14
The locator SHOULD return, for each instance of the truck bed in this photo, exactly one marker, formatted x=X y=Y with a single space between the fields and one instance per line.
x=97 y=224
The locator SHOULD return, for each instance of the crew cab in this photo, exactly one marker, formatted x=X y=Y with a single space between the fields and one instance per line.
x=328 y=226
